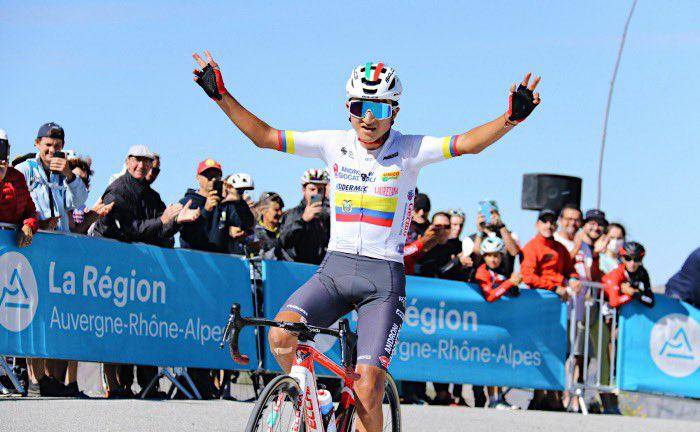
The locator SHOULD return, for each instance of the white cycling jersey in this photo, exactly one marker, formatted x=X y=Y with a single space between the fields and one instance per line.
x=371 y=191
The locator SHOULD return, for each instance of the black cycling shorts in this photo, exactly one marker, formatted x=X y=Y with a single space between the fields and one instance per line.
x=375 y=287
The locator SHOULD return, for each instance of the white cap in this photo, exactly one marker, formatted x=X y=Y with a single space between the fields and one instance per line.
x=3 y=135
x=139 y=150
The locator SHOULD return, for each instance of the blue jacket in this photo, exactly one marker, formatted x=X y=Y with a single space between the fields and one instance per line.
x=54 y=187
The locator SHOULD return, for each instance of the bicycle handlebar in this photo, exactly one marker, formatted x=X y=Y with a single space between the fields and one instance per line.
x=348 y=339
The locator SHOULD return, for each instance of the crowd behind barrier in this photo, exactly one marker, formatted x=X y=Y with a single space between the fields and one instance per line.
x=138 y=301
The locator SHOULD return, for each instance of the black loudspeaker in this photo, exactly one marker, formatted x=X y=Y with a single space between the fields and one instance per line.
x=550 y=191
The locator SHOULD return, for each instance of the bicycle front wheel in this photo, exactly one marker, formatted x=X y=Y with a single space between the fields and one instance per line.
x=278 y=408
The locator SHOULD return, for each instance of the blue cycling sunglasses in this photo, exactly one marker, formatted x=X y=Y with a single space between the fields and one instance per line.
x=380 y=110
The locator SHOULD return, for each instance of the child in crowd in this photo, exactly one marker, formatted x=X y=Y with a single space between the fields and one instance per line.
x=495 y=282
x=630 y=279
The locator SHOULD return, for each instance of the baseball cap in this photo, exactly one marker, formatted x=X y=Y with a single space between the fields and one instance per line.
x=596 y=215
x=547 y=214
x=207 y=164
x=51 y=130
x=139 y=150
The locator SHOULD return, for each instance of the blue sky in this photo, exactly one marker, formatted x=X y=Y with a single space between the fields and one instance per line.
x=116 y=74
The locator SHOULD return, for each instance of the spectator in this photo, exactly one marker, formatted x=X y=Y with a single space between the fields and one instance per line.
x=81 y=218
x=456 y=227
x=154 y=171
x=243 y=183
x=225 y=218
x=54 y=188
x=546 y=262
x=685 y=285
x=569 y=224
x=267 y=230
x=139 y=215
x=548 y=265
x=610 y=259
x=56 y=191
x=495 y=281
x=420 y=217
x=16 y=205
x=630 y=279
x=445 y=260
x=305 y=228
x=495 y=227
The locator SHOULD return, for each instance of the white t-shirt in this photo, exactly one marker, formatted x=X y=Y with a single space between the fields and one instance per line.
x=371 y=192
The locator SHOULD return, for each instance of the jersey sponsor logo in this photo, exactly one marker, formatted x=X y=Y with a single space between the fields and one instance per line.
x=400 y=313
x=410 y=195
x=386 y=190
x=364 y=357
x=391 y=156
x=391 y=339
x=347 y=206
x=400 y=248
x=310 y=415
x=391 y=175
x=351 y=174
x=347 y=152
x=351 y=188
x=384 y=361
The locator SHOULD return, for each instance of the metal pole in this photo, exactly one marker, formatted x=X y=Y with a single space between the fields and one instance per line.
x=607 y=107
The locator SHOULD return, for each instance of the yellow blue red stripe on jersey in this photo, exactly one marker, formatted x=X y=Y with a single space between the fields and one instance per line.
x=285 y=141
x=355 y=207
x=449 y=146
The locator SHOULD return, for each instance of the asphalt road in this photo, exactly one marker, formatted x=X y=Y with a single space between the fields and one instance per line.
x=100 y=415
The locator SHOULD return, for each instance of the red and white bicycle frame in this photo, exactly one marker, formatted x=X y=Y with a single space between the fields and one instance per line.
x=303 y=372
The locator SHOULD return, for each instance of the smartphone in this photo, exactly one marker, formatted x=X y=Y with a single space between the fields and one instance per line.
x=4 y=150
x=219 y=187
x=60 y=155
x=316 y=198
x=486 y=208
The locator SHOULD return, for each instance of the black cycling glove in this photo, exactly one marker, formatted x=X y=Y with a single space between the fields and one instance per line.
x=520 y=104
x=211 y=81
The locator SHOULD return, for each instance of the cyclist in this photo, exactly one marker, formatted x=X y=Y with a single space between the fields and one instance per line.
x=373 y=171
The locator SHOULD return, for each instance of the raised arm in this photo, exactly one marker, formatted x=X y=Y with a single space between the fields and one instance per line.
x=521 y=103
x=210 y=79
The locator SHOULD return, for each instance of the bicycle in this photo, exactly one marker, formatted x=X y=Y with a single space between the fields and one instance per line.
x=294 y=397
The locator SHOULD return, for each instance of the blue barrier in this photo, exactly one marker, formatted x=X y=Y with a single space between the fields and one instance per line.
x=81 y=298
x=457 y=336
x=659 y=348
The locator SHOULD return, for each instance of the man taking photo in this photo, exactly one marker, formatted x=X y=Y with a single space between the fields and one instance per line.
x=306 y=228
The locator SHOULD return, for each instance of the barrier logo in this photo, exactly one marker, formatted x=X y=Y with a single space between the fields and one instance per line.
x=674 y=345
x=19 y=296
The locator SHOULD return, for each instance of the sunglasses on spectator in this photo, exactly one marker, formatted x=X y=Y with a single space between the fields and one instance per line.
x=630 y=259
x=380 y=110
x=442 y=226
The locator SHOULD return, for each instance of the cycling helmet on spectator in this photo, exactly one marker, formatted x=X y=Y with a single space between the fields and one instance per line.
x=374 y=81
x=314 y=175
x=632 y=250
x=492 y=245
x=241 y=181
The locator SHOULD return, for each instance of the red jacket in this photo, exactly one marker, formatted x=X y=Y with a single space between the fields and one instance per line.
x=492 y=284
x=412 y=253
x=546 y=263
x=612 y=283
x=16 y=205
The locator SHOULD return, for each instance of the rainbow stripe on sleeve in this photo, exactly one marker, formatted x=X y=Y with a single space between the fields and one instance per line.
x=449 y=146
x=374 y=210
x=285 y=141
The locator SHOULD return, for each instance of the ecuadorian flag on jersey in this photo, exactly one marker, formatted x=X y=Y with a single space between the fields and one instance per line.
x=355 y=207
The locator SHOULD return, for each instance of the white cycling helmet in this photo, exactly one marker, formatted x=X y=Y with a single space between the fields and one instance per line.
x=314 y=175
x=241 y=181
x=492 y=245
x=374 y=81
